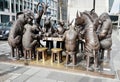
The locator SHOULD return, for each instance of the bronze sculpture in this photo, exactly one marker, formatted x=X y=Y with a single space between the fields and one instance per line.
x=70 y=36
x=31 y=37
x=91 y=39
x=48 y=31
x=60 y=28
x=41 y=12
x=104 y=33
x=59 y=33
x=16 y=32
x=37 y=19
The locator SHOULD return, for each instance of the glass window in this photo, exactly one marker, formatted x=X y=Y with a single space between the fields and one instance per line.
x=20 y=7
x=31 y=6
x=6 y=4
x=17 y=8
x=13 y=18
x=110 y=4
x=12 y=4
x=5 y=18
x=1 y=5
x=28 y=5
x=24 y=4
x=41 y=0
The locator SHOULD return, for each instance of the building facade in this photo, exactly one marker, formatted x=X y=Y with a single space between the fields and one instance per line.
x=9 y=8
x=82 y=5
x=62 y=10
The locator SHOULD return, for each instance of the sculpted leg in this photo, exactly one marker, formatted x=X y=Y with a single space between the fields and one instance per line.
x=88 y=62
x=108 y=53
x=33 y=43
x=95 y=60
x=17 y=53
x=12 y=53
x=17 y=39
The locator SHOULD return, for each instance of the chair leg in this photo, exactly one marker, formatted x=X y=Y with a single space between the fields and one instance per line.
x=95 y=60
x=58 y=57
x=43 y=56
x=108 y=54
x=88 y=61
x=61 y=57
x=30 y=55
x=74 y=59
x=37 y=56
x=52 y=57
x=25 y=54
x=67 y=58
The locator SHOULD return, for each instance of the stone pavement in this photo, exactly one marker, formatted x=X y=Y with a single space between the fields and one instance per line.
x=4 y=49
x=115 y=53
x=20 y=73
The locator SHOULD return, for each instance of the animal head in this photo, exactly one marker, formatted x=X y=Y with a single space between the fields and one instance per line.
x=47 y=21
x=28 y=16
x=25 y=16
x=44 y=6
x=79 y=20
x=93 y=14
x=104 y=16
x=61 y=23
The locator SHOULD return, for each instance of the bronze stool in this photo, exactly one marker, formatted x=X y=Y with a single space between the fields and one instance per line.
x=56 y=51
x=42 y=50
x=74 y=59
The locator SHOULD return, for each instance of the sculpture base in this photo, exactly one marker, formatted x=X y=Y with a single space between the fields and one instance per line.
x=78 y=68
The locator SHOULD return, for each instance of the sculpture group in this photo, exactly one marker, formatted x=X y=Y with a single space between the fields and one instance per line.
x=93 y=32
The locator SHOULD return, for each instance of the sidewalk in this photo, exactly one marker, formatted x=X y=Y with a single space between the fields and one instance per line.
x=115 y=53
x=20 y=73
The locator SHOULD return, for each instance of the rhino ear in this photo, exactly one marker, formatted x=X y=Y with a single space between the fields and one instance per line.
x=69 y=24
x=77 y=14
x=80 y=14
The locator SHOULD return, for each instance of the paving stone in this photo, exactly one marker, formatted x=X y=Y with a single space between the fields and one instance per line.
x=5 y=67
x=31 y=71
x=64 y=77
x=21 y=78
x=39 y=79
x=97 y=80
x=13 y=76
x=4 y=77
x=60 y=81
x=84 y=79
x=43 y=73
x=20 y=70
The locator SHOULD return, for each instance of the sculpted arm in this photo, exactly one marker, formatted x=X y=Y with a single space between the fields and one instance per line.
x=64 y=36
x=104 y=31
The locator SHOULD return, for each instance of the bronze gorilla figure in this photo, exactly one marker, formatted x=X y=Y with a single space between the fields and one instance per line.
x=104 y=33
x=16 y=32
